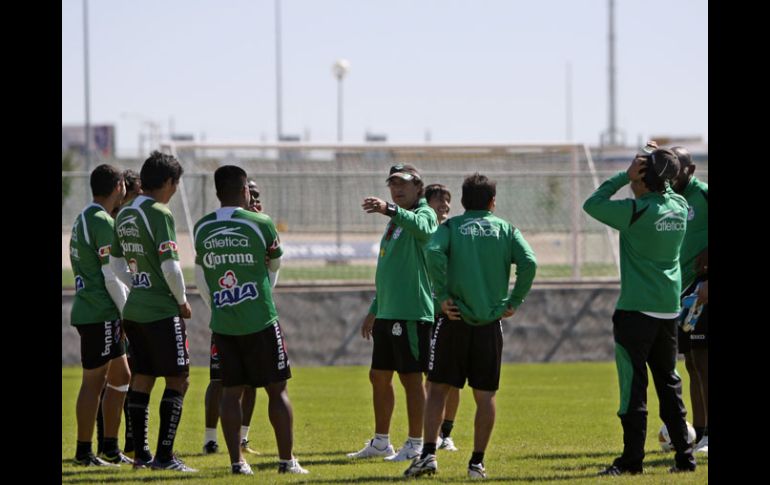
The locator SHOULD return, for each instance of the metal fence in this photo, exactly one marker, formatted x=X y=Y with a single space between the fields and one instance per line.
x=315 y=196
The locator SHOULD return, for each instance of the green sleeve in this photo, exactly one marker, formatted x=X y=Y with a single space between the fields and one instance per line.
x=165 y=237
x=272 y=240
x=116 y=250
x=421 y=223
x=436 y=252
x=526 y=267
x=373 y=306
x=103 y=234
x=614 y=213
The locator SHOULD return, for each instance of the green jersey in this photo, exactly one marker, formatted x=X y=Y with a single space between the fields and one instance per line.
x=403 y=289
x=696 y=239
x=470 y=258
x=146 y=232
x=231 y=244
x=652 y=228
x=90 y=246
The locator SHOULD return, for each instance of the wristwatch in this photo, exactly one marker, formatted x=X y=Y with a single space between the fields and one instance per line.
x=391 y=209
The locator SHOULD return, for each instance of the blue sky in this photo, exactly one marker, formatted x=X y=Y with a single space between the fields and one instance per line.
x=467 y=71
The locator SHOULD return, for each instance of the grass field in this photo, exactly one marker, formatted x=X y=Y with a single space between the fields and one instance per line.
x=556 y=423
x=361 y=272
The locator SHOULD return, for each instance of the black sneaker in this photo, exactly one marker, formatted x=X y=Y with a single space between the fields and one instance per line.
x=210 y=447
x=614 y=471
x=174 y=464
x=118 y=458
x=91 y=460
x=241 y=468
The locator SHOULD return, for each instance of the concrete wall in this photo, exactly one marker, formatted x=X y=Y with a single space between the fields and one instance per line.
x=556 y=323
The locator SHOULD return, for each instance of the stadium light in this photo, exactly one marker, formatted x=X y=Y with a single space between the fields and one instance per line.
x=340 y=69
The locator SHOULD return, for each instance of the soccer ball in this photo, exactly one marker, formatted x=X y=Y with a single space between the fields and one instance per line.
x=665 y=440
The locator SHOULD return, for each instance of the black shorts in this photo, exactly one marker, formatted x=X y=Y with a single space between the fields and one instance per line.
x=401 y=345
x=99 y=343
x=256 y=359
x=215 y=369
x=461 y=351
x=159 y=348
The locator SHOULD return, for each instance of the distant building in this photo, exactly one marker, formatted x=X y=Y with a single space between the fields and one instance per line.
x=73 y=138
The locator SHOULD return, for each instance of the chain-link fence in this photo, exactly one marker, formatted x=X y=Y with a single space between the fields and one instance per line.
x=314 y=196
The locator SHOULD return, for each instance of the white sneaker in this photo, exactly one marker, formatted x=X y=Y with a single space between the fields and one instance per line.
x=291 y=467
x=703 y=445
x=446 y=444
x=370 y=450
x=477 y=471
x=406 y=453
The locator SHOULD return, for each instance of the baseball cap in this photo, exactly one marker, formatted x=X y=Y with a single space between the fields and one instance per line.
x=404 y=171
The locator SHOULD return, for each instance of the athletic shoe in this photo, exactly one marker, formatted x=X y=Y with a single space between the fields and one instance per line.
x=476 y=471
x=245 y=447
x=210 y=447
x=422 y=466
x=447 y=444
x=174 y=464
x=92 y=460
x=614 y=471
x=370 y=450
x=118 y=458
x=406 y=453
x=291 y=467
x=703 y=445
x=241 y=468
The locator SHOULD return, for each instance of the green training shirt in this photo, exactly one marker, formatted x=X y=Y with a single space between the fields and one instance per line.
x=90 y=246
x=146 y=235
x=652 y=228
x=470 y=258
x=403 y=289
x=696 y=238
x=231 y=244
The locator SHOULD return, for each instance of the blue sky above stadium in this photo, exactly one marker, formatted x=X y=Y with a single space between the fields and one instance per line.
x=466 y=71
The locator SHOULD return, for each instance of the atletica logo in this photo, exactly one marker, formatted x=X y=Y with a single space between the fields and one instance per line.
x=211 y=260
x=79 y=284
x=221 y=238
x=690 y=213
x=670 y=221
x=232 y=293
x=396 y=330
x=74 y=254
x=128 y=227
x=479 y=228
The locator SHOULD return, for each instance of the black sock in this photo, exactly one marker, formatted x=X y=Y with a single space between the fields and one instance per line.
x=477 y=458
x=428 y=449
x=129 y=440
x=138 y=408
x=170 y=414
x=446 y=428
x=111 y=446
x=100 y=424
x=83 y=449
x=699 y=432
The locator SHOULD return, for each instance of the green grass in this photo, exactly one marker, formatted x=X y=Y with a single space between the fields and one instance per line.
x=556 y=423
x=360 y=272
